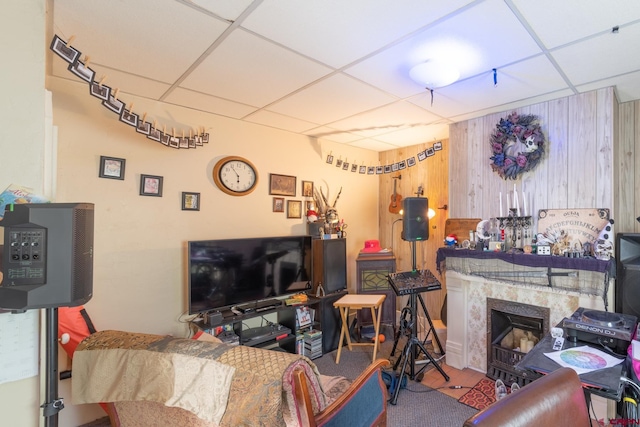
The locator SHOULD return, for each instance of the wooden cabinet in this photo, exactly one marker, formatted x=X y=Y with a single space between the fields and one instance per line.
x=371 y=275
x=329 y=265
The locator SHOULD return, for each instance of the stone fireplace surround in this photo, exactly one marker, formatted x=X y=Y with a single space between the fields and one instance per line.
x=467 y=318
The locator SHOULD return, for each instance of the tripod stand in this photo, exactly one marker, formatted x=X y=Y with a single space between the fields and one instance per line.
x=413 y=346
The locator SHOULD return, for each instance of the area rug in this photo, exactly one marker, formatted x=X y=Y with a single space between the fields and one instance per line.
x=481 y=395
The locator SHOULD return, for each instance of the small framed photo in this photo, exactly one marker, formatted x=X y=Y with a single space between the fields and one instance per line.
x=278 y=204
x=184 y=142
x=354 y=168
x=339 y=163
x=65 y=52
x=411 y=161
x=437 y=146
x=81 y=70
x=363 y=169
x=309 y=206
x=190 y=201
x=205 y=138
x=154 y=134
x=387 y=169
x=294 y=209
x=143 y=127
x=371 y=170
x=422 y=155
x=330 y=159
x=114 y=104
x=282 y=185
x=174 y=142
x=99 y=91
x=151 y=185
x=111 y=167
x=129 y=118
x=165 y=138
x=430 y=152
x=345 y=166
x=379 y=170
x=402 y=165
x=394 y=167
x=307 y=188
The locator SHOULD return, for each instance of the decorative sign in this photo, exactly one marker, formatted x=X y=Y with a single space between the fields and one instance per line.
x=581 y=225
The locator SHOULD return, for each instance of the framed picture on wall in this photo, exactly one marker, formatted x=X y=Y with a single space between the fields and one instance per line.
x=294 y=209
x=307 y=188
x=282 y=185
x=99 y=91
x=111 y=167
x=278 y=204
x=151 y=185
x=81 y=70
x=190 y=201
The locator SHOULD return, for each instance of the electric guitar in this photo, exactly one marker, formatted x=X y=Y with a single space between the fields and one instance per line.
x=396 y=199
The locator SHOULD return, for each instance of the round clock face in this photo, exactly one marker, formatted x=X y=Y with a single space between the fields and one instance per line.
x=235 y=175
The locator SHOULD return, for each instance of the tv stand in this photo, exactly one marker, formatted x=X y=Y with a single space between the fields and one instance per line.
x=286 y=321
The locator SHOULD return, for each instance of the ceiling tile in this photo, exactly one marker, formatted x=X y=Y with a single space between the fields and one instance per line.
x=212 y=104
x=627 y=87
x=253 y=71
x=226 y=9
x=339 y=32
x=373 y=145
x=335 y=135
x=331 y=99
x=416 y=135
x=158 y=39
x=591 y=59
x=269 y=118
x=560 y=22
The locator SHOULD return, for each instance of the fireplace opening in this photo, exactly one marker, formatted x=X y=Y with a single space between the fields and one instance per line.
x=513 y=329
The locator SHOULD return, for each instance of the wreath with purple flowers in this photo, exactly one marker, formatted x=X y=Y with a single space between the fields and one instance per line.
x=517 y=145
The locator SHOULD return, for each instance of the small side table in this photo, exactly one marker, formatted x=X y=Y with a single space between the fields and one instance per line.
x=359 y=302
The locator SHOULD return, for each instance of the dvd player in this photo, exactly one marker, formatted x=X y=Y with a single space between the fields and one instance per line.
x=260 y=334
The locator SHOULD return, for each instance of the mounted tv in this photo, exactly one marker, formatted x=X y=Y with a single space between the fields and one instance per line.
x=234 y=272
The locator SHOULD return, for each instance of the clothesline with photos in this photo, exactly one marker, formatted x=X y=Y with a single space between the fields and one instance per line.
x=393 y=167
x=110 y=100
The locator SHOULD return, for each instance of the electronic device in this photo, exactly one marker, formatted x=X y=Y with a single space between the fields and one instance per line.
x=260 y=334
x=48 y=255
x=613 y=330
x=415 y=220
x=237 y=272
x=409 y=282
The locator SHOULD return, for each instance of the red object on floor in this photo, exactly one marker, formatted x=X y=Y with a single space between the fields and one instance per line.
x=481 y=395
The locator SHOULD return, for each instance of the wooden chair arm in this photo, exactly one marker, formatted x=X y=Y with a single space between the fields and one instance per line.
x=325 y=416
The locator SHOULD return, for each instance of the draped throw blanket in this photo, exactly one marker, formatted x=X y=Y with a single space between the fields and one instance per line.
x=222 y=385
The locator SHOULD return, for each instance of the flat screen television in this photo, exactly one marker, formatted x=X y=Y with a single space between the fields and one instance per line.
x=232 y=272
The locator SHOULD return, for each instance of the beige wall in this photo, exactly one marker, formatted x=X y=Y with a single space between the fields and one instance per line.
x=22 y=107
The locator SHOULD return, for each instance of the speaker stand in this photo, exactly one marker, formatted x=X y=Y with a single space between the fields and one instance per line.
x=53 y=404
x=414 y=346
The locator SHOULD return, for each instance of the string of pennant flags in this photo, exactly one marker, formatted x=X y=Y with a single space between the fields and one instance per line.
x=80 y=68
x=390 y=168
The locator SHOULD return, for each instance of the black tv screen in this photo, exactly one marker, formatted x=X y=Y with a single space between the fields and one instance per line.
x=231 y=272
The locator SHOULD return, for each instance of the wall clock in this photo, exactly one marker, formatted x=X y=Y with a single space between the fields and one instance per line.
x=235 y=175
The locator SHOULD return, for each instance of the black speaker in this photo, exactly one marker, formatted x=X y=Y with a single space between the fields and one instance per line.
x=415 y=219
x=48 y=255
x=627 y=290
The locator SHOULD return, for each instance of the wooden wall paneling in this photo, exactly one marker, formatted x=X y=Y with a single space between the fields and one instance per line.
x=552 y=193
x=624 y=155
x=605 y=126
x=534 y=182
x=582 y=151
x=473 y=194
x=493 y=184
x=458 y=160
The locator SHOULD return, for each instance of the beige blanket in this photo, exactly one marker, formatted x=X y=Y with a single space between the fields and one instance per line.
x=145 y=369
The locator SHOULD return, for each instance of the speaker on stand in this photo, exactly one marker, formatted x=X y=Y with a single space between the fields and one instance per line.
x=415 y=219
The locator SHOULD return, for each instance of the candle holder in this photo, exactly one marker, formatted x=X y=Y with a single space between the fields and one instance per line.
x=516 y=230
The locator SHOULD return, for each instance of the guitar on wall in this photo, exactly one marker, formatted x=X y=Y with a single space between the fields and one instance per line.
x=396 y=199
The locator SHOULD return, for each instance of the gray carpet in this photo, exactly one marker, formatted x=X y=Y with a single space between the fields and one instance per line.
x=417 y=405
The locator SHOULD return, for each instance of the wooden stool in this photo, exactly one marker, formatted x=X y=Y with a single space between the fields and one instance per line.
x=358 y=302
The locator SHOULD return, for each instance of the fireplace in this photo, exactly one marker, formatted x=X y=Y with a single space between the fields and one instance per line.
x=512 y=329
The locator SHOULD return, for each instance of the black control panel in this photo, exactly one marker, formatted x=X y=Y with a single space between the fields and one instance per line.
x=25 y=256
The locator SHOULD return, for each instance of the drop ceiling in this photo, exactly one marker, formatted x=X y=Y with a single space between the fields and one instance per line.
x=338 y=70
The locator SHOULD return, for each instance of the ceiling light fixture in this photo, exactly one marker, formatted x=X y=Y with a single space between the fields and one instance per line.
x=434 y=74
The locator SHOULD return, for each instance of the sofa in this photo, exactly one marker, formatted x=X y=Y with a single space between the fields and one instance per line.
x=145 y=379
x=556 y=399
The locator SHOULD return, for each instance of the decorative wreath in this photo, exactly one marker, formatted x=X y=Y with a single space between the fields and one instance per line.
x=517 y=145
